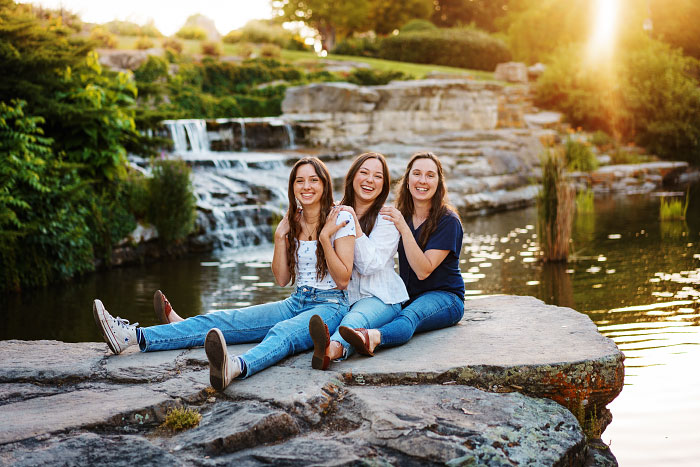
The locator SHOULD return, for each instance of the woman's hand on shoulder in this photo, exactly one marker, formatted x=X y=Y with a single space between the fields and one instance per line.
x=330 y=227
x=358 y=229
x=392 y=214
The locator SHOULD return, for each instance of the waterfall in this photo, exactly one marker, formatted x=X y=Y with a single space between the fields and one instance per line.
x=290 y=135
x=243 y=142
x=193 y=132
x=240 y=190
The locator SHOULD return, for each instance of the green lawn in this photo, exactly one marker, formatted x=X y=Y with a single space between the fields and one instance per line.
x=310 y=59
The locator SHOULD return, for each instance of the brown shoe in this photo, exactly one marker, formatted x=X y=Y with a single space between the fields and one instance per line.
x=322 y=341
x=164 y=311
x=354 y=338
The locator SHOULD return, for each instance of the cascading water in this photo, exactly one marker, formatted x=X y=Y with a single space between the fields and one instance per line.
x=243 y=142
x=290 y=135
x=239 y=193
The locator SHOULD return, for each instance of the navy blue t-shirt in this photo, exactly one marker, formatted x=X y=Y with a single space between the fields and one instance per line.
x=447 y=276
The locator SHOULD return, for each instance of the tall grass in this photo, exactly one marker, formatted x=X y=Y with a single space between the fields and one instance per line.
x=673 y=209
x=555 y=208
x=584 y=201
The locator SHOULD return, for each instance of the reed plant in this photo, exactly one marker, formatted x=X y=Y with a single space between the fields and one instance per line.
x=584 y=201
x=555 y=208
x=673 y=209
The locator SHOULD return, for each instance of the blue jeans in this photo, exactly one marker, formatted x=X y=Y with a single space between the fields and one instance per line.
x=432 y=310
x=366 y=313
x=282 y=328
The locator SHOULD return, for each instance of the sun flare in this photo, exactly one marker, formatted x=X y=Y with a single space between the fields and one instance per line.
x=602 y=41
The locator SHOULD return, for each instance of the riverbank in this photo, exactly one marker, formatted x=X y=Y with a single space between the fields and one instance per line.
x=482 y=391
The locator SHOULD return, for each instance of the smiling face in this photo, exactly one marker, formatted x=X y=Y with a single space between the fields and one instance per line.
x=368 y=181
x=308 y=186
x=423 y=179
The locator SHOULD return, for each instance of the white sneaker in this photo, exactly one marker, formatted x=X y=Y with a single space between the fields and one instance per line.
x=117 y=332
x=222 y=369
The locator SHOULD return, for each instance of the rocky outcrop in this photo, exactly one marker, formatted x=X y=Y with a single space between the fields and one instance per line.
x=343 y=114
x=492 y=390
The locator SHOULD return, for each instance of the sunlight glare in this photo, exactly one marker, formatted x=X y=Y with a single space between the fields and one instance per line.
x=602 y=40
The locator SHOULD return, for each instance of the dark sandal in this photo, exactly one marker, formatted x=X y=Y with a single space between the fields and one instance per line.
x=322 y=341
x=351 y=336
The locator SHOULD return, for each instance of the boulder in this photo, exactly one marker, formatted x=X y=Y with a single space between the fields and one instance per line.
x=512 y=72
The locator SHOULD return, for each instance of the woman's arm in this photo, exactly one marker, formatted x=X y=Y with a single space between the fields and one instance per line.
x=339 y=254
x=280 y=269
x=422 y=263
x=372 y=252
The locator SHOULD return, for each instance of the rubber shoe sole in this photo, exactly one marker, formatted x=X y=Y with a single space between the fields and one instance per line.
x=98 y=311
x=215 y=348
x=319 y=336
x=159 y=307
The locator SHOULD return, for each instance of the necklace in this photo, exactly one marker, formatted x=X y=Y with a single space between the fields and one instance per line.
x=306 y=232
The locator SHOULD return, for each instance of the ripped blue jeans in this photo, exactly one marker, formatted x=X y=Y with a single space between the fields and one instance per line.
x=282 y=328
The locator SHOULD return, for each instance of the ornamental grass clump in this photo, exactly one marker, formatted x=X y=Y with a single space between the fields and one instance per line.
x=673 y=209
x=555 y=208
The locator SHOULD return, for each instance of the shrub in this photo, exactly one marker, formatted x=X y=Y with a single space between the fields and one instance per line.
x=464 y=48
x=261 y=32
x=170 y=43
x=601 y=139
x=211 y=49
x=153 y=69
x=652 y=100
x=579 y=156
x=362 y=46
x=193 y=33
x=143 y=43
x=417 y=25
x=127 y=28
x=270 y=51
x=245 y=49
x=103 y=37
x=172 y=207
x=232 y=37
x=370 y=77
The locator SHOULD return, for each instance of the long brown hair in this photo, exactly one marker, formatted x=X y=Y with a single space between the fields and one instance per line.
x=439 y=206
x=370 y=216
x=295 y=222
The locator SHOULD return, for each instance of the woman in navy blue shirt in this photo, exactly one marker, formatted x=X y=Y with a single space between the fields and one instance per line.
x=431 y=241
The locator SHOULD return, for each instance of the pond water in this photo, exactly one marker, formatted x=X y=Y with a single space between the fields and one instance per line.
x=636 y=277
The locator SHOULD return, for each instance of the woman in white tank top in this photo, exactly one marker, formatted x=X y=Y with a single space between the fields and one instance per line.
x=314 y=245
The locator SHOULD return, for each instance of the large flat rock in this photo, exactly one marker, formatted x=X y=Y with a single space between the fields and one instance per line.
x=492 y=390
x=506 y=343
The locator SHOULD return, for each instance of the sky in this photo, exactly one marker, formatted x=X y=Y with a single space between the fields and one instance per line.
x=168 y=15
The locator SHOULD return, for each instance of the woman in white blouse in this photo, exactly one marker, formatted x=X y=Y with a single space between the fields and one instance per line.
x=375 y=291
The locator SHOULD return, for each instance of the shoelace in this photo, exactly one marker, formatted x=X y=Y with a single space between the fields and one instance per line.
x=124 y=323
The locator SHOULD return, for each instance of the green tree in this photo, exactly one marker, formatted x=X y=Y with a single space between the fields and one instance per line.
x=386 y=16
x=333 y=20
x=482 y=13
x=43 y=233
